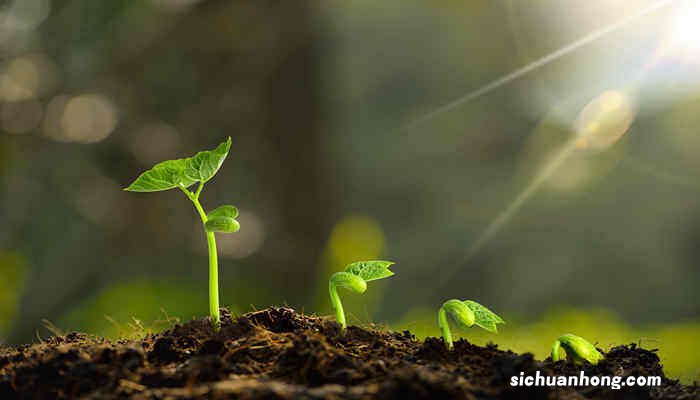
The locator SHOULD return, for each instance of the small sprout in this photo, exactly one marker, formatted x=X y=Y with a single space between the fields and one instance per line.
x=183 y=173
x=466 y=314
x=355 y=278
x=576 y=348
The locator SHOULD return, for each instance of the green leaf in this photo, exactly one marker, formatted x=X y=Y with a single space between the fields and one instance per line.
x=460 y=313
x=370 y=270
x=484 y=317
x=222 y=224
x=223 y=211
x=205 y=164
x=163 y=176
x=182 y=172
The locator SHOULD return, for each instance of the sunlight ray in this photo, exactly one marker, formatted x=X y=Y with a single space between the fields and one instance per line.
x=509 y=212
x=489 y=87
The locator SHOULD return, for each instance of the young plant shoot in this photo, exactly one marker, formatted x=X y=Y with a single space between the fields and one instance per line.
x=355 y=278
x=576 y=349
x=181 y=174
x=466 y=314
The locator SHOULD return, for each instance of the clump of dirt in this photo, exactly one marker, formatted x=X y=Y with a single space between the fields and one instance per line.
x=279 y=354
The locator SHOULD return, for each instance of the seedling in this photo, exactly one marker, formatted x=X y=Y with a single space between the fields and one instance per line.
x=355 y=278
x=576 y=348
x=466 y=314
x=183 y=173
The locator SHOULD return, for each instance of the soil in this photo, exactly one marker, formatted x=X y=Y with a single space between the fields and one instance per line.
x=277 y=353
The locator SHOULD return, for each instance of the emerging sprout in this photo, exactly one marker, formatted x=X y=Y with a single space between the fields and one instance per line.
x=183 y=173
x=576 y=348
x=355 y=278
x=466 y=314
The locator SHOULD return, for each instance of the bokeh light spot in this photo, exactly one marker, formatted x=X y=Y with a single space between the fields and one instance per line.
x=355 y=237
x=154 y=142
x=19 y=80
x=88 y=119
x=571 y=150
x=604 y=120
x=97 y=199
x=246 y=241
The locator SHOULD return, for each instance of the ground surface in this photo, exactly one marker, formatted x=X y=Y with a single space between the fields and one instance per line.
x=279 y=354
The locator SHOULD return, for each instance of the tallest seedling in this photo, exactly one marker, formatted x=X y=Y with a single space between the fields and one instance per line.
x=182 y=174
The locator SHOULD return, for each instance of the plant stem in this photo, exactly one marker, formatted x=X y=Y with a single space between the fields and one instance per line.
x=213 y=281
x=556 y=351
x=445 y=328
x=337 y=305
x=213 y=259
x=348 y=281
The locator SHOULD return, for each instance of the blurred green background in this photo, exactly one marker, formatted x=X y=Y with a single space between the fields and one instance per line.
x=566 y=200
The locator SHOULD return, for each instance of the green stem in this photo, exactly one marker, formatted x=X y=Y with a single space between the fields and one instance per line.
x=348 y=281
x=337 y=305
x=445 y=328
x=199 y=190
x=213 y=281
x=213 y=259
x=556 y=351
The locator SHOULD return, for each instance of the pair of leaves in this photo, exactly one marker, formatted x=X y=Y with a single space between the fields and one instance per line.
x=222 y=219
x=468 y=310
x=183 y=172
x=370 y=270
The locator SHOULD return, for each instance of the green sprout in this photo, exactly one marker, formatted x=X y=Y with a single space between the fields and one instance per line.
x=576 y=348
x=183 y=173
x=355 y=278
x=466 y=314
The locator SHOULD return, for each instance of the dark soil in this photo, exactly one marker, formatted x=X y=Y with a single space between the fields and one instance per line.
x=279 y=354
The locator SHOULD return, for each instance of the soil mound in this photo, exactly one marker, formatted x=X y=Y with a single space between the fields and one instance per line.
x=277 y=353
